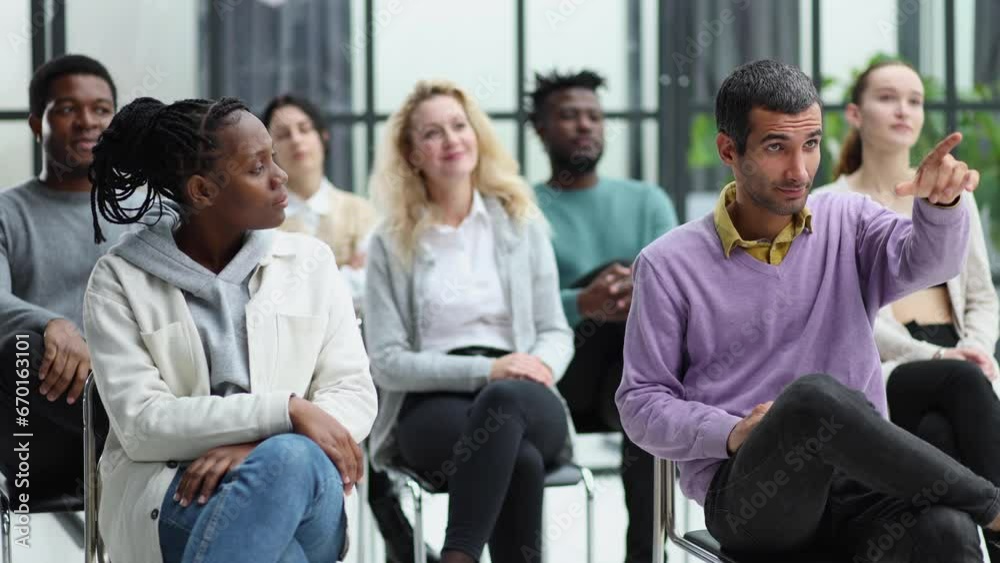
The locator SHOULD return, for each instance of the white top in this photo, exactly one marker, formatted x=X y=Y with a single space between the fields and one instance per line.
x=464 y=301
x=309 y=212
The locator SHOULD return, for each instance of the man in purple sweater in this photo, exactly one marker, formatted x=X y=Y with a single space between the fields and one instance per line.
x=749 y=355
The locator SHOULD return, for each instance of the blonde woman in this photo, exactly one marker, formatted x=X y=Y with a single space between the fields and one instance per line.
x=465 y=327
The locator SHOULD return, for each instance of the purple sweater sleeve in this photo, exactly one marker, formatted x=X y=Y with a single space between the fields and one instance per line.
x=654 y=411
x=897 y=256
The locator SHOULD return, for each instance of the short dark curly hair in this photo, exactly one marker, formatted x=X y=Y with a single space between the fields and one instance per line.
x=768 y=84
x=548 y=84
x=39 y=89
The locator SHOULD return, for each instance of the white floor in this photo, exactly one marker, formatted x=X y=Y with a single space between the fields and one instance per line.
x=564 y=533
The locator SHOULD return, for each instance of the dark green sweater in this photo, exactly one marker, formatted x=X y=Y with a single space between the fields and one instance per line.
x=613 y=220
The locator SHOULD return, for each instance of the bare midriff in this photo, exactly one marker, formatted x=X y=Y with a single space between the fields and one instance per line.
x=925 y=307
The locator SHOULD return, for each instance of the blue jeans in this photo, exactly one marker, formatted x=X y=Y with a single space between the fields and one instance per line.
x=283 y=504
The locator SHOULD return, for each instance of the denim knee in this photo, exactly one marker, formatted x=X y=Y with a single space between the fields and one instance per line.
x=297 y=459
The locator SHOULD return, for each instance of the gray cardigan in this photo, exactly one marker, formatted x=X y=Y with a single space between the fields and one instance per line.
x=392 y=322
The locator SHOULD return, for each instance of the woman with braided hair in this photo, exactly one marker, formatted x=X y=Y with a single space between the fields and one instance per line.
x=227 y=353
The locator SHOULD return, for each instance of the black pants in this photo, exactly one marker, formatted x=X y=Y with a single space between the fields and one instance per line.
x=491 y=448
x=55 y=449
x=589 y=387
x=824 y=469
x=950 y=404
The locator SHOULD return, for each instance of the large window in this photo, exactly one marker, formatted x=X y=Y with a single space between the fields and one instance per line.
x=664 y=62
x=149 y=47
x=957 y=52
x=492 y=49
x=952 y=43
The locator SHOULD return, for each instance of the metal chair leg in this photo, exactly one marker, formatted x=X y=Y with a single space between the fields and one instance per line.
x=6 y=516
x=419 y=550
x=589 y=488
x=91 y=478
x=361 y=522
x=659 y=543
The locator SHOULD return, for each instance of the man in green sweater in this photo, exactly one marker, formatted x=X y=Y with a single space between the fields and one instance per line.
x=599 y=226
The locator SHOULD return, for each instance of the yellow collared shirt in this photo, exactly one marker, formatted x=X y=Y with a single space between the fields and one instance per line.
x=768 y=252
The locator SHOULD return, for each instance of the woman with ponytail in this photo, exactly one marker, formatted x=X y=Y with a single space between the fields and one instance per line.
x=936 y=345
x=227 y=353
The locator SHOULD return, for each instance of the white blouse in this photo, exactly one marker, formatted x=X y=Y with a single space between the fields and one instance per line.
x=463 y=299
x=309 y=212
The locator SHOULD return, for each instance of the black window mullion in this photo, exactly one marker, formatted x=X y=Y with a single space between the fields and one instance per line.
x=634 y=66
x=39 y=55
x=951 y=88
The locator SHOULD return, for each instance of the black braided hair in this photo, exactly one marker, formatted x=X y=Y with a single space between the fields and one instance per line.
x=157 y=145
x=548 y=84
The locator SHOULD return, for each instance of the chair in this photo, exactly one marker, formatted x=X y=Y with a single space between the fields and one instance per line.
x=93 y=544
x=60 y=503
x=700 y=543
x=567 y=475
x=65 y=503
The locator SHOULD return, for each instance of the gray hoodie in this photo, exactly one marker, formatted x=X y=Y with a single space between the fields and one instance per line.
x=217 y=302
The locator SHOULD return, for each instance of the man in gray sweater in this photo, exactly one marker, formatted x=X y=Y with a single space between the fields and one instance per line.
x=47 y=252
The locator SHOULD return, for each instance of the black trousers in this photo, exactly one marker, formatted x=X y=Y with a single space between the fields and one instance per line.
x=55 y=449
x=823 y=469
x=492 y=449
x=950 y=404
x=589 y=387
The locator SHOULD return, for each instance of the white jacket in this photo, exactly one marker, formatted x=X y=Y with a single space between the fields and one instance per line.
x=150 y=368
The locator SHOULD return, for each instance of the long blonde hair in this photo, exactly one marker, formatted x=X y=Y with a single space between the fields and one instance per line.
x=399 y=191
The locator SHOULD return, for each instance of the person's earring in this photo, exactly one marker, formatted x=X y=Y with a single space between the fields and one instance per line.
x=38 y=139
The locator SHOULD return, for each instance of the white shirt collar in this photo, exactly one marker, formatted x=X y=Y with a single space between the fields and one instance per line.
x=478 y=211
x=319 y=202
x=478 y=206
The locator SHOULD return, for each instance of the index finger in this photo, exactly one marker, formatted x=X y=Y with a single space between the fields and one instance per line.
x=943 y=148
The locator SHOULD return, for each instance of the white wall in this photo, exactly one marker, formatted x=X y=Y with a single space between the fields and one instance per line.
x=853 y=31
x=16 y=32
x=149 y=46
